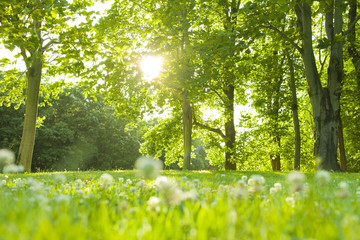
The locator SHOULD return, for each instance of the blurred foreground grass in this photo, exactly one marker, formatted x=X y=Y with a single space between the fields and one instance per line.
x=179 y=205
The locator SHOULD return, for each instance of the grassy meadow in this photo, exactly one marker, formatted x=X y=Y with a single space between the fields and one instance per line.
x=179 y=205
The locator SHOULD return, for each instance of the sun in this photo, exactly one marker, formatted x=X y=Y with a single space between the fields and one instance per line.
x=151 y=67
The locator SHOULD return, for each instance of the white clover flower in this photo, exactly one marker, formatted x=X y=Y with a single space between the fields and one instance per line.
x=128 y=181
x=222 y=175
x=133 y=190
x=323 y=177
x=239 y=194
x=3 y=182
x=171 y=194
x=278 y=187
x=241 y=183
x=153 y=201
x=62 y=198
x=192 y=195
x=81 y=193
x=290 y=201
x=343 y=191
x=121 y=179
x=78 y=182
x=141 y=184
x=35 y=186
x=256 y=184
x=184 y=178
x=106 y=178
x=59 y=179
x=272 y=191
x=196 y=182
x=244 y=178
x=148 y=167
x=296 y=181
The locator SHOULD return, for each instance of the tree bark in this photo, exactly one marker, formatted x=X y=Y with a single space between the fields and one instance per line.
x=31 y=109
x=230 y=132
x=324 y=100
x=352 y=50
x=343 y=163
x=187 y=128
x=294 y=108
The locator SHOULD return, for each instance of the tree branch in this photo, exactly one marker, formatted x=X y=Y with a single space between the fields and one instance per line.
x=211 y=129
x=48 y=45
x=215 y=130
x=283 y=35
x=351 y=26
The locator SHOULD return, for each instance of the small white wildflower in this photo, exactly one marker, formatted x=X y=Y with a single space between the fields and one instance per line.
x=170 y=192
x=153 y=201
x=81 y=193
x=222 y=175
x=241 y=183
x=62 y=198
x=192 y=195
x=148 y=167
x=278 y=187
x=121 y=179
x=256 y=184
x=290 y=201
x=196 y=182
x=59 y=179
x=6 y=176
x=184 y=178
x=78 y=182
x=141 y=184
x=323 y=177
x=239 y=194
x=272 y=191
x=244 y=178
x=133 y=190
x=3 y=182
x=296 y=181
x=128 y=181
x=106 y=178
x=343 y=191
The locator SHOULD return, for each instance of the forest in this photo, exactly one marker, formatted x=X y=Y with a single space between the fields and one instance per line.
x=266 y=85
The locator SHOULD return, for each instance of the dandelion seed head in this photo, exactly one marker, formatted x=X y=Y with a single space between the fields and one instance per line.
x=322 y=177
x=148 y=168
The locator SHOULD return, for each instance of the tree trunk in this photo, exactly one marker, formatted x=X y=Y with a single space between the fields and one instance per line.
x=294 y=108
x=343 y=165
x=31 y=108
x=353 y=52
x=229 y=129
x=187 y=128
x=324 y=100
x=275 y=160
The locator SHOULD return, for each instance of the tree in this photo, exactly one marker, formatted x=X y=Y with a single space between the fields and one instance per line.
x=34 y=28
x=324 y=97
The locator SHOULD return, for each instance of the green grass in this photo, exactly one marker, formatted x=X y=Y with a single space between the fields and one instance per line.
x=46 y=206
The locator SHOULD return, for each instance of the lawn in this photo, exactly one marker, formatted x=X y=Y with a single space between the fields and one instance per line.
x=179 y=205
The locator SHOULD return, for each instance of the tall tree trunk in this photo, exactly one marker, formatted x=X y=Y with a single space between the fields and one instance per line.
x=343 y=164
x=352 y=50
x=275 y=159
x=31 y=108
x=187 y=128
x=294 y=108
x=229 y=129
x=324 y=100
